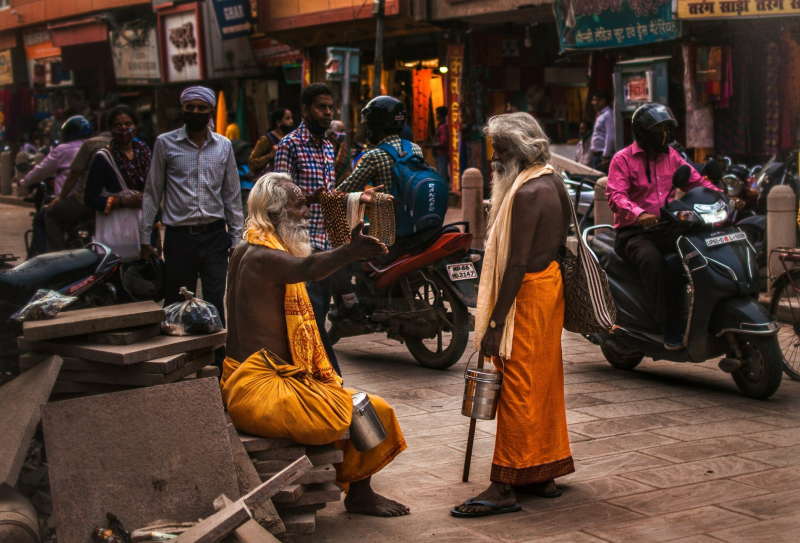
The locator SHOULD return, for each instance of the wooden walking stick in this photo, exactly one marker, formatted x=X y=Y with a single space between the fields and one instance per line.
x=471 y=437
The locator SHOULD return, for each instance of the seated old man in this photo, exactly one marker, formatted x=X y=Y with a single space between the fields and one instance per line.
x=277 y=379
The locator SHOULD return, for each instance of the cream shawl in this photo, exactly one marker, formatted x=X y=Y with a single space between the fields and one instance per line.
x=494 y=263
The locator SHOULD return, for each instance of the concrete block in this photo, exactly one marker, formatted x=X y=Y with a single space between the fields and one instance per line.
x=158 y=452
x=288 y=494
x=127 y=336
x=288 y=453
x=165 y=364
x=316 y=475
x=95 y=319
x=19 y=404
x=137 y=379
x=300 y=523
x=150 y=349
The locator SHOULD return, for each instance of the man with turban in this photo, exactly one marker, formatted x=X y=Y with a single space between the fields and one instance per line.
x=195 y=171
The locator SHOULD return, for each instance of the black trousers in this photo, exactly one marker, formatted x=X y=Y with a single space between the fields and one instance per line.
x=65 y=213
x=189 y=256
x=645 y=250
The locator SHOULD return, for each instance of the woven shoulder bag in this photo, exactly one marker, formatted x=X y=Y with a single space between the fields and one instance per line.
x=588 y=305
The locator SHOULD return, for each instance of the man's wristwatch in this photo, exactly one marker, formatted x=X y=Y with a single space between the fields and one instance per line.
x=494 y=324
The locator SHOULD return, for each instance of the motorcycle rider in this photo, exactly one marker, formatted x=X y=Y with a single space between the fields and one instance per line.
x=639 y=184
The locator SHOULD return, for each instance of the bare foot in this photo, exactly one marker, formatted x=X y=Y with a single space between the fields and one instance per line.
x=545 y=489
x=502 y=495
x=362 y=500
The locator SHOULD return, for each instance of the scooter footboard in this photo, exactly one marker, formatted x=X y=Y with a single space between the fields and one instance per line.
x=742 y=316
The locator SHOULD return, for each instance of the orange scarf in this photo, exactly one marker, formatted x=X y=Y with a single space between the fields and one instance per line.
x=305 y=343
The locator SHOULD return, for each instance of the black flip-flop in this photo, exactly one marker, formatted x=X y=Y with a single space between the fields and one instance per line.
x=495 y=509
x=525 y=489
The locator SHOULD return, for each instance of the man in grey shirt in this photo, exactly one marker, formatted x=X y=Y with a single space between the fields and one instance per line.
x=603 y=136
x=195 y=171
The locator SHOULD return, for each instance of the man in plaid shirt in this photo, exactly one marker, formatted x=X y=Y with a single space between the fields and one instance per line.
x=307 y=156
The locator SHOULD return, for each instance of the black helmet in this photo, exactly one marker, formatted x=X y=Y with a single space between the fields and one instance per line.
x=76 y=128
x=384 y=115
x=648 y=116
x=144 y=280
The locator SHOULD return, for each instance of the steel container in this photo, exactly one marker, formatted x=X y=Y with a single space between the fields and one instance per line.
x=481 y=393
x=366 y=429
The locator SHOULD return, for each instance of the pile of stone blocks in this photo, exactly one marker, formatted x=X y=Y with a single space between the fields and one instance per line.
x=116 y=348
x=298 y=503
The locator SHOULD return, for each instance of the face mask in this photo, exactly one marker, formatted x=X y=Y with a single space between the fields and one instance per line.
x=196 y=121
x=657 y=141
x=124 y=135
x=315 y=128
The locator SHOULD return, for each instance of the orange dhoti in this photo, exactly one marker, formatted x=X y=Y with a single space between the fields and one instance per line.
x=532 y=444
x=267 y=397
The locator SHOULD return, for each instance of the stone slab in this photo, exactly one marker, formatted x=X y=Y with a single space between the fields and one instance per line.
x=298 y=538
x=300 y=523
x=289 y=493
x=126 y=336
x=156 y=347
x=271 y=487
x=217 y=526
x=258 y=443
x=319 y=456
x=95 y=319
x=159 y=365
x=285 y=509
x=314 y=494
x=19 y=404
x=287 y=453
x=158 y=452
x=137 y=379
x=316 y=475
x=248 y=480
x=69 y=387
x=249 y=532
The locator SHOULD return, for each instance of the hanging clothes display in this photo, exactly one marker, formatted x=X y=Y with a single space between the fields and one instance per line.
x=714 y=76
x=699 y=117
x=790 y=91
x=731 y=123
x=772 y=118
x=422 y=99
x=701 y=74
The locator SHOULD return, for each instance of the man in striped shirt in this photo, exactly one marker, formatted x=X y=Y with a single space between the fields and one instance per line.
x=195 y=171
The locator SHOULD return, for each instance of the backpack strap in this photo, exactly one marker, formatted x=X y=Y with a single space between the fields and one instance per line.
x=398 y=156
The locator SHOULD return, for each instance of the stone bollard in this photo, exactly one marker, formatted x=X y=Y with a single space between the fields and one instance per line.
x=602 y=213
x=472 y=209
x=781 y=224
x=6 y=173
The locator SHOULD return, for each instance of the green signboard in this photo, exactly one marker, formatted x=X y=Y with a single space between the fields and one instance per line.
x=602 y=24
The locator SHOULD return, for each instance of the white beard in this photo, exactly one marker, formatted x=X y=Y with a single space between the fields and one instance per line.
x=295 y=237
x=505 y=173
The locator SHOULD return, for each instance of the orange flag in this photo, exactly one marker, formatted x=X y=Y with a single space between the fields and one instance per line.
x=222 y=115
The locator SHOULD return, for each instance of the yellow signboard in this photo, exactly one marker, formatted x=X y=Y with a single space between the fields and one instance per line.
x=724 y=9
x=6 y=71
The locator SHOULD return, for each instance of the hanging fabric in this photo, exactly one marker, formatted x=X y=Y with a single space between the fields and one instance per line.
x=772 y=119
x=790 y=91
x=701 y=77
x=699 y=117
x=731 y=123
x=422 y=99
x=714 y=77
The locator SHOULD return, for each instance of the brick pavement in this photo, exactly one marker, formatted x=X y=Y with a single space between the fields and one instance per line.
x=667 y=452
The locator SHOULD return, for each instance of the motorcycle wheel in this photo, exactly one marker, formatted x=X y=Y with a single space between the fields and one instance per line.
x=785 y=308
x=619 y=359
x=454 y=322
x=760 y=375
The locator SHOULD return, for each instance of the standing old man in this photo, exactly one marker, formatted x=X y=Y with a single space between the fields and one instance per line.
x=278 y=380
x=195 y=170
x=520 y=316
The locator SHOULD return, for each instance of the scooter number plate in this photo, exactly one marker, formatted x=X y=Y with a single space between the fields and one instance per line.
x=462 y=272
x=720 y=240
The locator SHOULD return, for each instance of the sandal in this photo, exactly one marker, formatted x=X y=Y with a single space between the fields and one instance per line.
x=495 y=509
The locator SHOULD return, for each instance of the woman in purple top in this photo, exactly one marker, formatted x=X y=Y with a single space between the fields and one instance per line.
x=55 y=165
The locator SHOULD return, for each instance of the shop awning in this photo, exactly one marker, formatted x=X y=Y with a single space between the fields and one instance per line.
x=80 y=32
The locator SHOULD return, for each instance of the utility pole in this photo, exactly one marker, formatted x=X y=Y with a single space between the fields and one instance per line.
x=346 y=94
x=377 y=12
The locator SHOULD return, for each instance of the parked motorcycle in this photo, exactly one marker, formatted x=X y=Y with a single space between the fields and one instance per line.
x=715 y=285
x=422 y=298
x=776 y=173
x=83 y=273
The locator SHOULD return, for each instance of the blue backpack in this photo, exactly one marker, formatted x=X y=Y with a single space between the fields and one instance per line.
x=420 y=193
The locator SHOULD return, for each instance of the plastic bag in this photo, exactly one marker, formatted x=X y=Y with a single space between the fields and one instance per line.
x=45 y=304
x=193 y=317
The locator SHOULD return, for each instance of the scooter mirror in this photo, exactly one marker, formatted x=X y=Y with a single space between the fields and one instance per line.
x=681 y=176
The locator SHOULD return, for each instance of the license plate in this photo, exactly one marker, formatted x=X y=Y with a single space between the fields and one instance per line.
x=720 y=240
x=462 y=272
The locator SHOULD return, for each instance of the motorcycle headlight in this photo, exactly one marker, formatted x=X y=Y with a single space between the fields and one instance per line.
x=733 y=187
x=712 y=213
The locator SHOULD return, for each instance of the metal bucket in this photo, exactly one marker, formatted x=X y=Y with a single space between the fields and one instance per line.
x=481 y=392
x=366 y=429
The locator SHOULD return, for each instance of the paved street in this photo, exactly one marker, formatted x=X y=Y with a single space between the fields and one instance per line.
x=667 y=452
x=14 y=221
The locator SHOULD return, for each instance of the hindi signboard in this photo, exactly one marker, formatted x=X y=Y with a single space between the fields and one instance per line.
x=455 y=64
x=587 y=24
x=181 y=43
x=741 y=9
x=136 y=57
x=233 y=18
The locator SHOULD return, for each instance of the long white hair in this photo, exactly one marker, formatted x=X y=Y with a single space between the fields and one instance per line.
x=528 y=144
x=267 y=214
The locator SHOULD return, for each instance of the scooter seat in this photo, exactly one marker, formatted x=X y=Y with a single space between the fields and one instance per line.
x=52 y=270
x=603 y=246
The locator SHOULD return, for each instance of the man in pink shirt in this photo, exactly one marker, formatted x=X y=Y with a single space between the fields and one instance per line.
x=639 y=183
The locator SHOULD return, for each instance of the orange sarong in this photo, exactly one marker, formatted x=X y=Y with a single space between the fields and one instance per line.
x=532 y=444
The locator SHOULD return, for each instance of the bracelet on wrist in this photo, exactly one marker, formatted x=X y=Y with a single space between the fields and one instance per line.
x=109 y=203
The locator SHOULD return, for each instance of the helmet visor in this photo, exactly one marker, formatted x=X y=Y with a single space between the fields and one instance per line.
x=657 y=115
